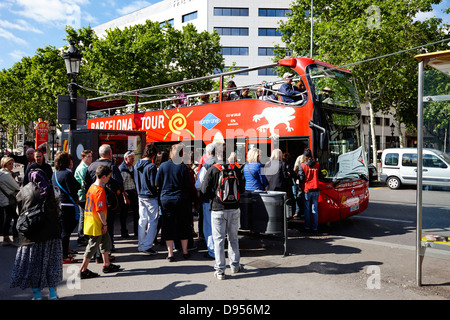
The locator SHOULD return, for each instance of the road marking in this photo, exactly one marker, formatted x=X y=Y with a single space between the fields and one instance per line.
x=378 y=243
x=383 y=219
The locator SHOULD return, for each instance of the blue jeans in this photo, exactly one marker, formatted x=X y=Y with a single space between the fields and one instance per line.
x=207 y=229
x=148 y=222
x=311 y=207
x=226 y=223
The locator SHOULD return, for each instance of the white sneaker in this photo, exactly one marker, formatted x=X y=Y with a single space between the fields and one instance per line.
x=220 y=276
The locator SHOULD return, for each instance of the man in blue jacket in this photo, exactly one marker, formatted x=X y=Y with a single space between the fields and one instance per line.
x=144 y=177
x=288 y=92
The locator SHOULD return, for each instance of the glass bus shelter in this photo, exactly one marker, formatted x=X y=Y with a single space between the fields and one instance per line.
x=433 y=170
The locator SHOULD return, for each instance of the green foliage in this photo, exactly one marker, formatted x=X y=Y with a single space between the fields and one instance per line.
x=136 y=57
x=346 y=32
x=147 y=55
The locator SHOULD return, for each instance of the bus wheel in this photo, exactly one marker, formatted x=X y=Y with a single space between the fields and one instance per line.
x=393 y=183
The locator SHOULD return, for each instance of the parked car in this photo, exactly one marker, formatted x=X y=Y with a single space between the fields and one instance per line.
x=399 y=166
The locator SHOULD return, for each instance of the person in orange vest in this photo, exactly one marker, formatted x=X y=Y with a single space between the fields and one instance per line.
x=309 y=175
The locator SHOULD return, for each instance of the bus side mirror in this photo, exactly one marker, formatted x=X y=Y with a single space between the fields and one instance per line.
x=323 y=133
x=323 y=139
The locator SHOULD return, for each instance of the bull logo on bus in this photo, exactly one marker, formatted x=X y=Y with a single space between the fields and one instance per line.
x=274 y=117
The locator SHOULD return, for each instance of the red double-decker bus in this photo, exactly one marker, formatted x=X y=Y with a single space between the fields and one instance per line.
x=326 y=118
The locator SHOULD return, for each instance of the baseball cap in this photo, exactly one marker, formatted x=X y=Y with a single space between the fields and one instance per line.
x=288 y=75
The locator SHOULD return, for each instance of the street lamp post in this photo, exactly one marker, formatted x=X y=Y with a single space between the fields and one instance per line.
x=2 y=140
x=72 y=58
x=392 y=135
x=52 y=131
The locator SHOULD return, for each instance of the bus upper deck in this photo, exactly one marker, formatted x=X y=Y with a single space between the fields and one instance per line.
x=326 y=118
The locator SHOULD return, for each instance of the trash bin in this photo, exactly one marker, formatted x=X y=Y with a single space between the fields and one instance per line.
x=245 y=204
x=267 y=212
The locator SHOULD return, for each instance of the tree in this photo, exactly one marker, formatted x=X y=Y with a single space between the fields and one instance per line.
x=347 y=32
x=136 y=57
x=29 y=89
x=436 y=114
x=147 y=55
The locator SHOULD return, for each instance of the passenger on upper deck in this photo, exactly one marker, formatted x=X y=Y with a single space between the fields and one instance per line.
x=231 y=93
x=245 y=94
x=265 y=92
x=288 y=92
x=204 y=98
x=181 y=95
x=326 y=95
x=301 y=87
x=176 y=104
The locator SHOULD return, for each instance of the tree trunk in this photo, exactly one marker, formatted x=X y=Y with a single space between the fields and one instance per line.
x=372 y=132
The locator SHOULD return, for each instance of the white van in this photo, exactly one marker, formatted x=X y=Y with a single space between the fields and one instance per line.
x=399 y=166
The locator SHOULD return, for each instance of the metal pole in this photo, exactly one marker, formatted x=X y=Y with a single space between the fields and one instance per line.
x=73 y=104
x=370 y=141
x=419 y=250
x=312 y=28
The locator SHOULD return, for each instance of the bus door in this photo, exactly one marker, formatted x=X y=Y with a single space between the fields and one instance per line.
x=264 y=145
x=195 y=147
x=294 y=146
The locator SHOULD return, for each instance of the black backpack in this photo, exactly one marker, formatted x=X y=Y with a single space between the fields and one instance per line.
x=227 y=191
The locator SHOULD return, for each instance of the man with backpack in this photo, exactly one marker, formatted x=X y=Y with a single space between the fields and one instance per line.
x=211 y=159
x=222 y=184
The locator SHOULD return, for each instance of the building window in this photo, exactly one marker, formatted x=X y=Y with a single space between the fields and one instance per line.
x=268 y=51
x=269 y=32
x=226 y=69
x=231 y=31
x=245 y=73
x=267 y=72
x=235 y=51
x=273 y=12
x=387 y=122
x=231 y=12
x=265 y=52
x=162 y=24
x=189 y=17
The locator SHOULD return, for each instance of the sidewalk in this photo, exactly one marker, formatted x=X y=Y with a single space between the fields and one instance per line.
x=318 y=267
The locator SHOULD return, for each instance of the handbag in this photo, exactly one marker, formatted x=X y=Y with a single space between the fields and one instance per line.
x=112 y=200
x=30 y=220
x=11 y=197
x=77 y=208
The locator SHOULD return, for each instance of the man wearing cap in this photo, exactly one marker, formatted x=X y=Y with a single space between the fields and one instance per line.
x=289 y=93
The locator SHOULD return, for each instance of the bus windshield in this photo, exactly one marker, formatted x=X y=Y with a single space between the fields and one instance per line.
x=338 y=111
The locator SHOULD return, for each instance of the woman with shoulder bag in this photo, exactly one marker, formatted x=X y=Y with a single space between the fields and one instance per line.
x=38 y=258
x=300 y=195
x=64 y=179
x=8 y=191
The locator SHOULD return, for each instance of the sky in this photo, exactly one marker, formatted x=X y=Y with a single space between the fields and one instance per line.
x=26 y=25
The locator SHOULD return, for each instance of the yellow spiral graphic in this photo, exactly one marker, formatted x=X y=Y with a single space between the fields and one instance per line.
x=177 y=122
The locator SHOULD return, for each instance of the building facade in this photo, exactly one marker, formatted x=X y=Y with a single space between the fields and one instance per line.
x=247 y=28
